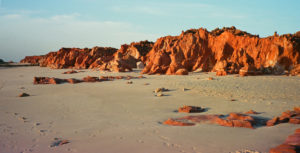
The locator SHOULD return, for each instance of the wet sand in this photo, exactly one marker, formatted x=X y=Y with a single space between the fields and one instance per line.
x=114 y=116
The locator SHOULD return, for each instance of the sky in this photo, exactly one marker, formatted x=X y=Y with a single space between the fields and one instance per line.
x=36 y=27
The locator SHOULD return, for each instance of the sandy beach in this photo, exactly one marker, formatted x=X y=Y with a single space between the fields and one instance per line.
x=114 y=117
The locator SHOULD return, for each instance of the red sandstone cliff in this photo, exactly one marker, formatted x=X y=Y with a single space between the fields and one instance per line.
x=127 y=57
x=31 y=59
x=226 y=50
x=103 y=58
x=77 y=58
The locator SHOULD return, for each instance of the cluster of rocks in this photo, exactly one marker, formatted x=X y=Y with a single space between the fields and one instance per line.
x=52 y=80
x=286 y=117
x=244 y=120
x=159 y=91
x=224 y=51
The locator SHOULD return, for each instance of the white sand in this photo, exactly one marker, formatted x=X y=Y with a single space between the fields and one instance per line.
x=115 y=117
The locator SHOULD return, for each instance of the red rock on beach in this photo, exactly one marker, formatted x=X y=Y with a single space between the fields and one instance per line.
x=286 y=117
x=90 y=79
x=177 y=123
x=47 y=80
x=70 y=72
x=251 y=112
x=190 y=109
x=290 y=145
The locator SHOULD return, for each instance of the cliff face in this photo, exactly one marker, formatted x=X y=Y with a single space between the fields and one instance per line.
x=103 y=58
x=31 y=59
x=127 y=56
x=226 y=50
x=77 y=58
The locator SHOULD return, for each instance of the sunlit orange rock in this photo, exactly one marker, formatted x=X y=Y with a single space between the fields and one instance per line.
x=70 y=72
x=236 y=120
x=47 y=80
x=221 y=73
x=251 y=112
x=290 y=145
x=182 y=72
x=177 y=123
x=31 y=59
x=283 y=148
x=190 y=109
x=73 y=81
x=223 y=50
x=90 y=79
x=232 y=120
x=287 y=116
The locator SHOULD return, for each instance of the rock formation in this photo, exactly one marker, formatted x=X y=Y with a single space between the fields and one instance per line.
x=48 y=80
x=190 y=109
x=231 y=120
x=224 y=51
x=103 y=58
x=32 y=59
x=127 y=57
x=78 y=58
x=286 y=117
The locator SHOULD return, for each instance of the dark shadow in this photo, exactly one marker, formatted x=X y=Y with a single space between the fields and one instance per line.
x=260 y=121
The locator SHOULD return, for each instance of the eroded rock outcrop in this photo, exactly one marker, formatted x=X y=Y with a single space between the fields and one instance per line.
x=32 y=59
x=231 y=120
x=103 y=58
x=127 y=57
x=78 y=58
x=224 y=51
x=286 y=117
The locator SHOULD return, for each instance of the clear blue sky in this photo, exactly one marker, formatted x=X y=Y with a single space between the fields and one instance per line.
x=33 y=27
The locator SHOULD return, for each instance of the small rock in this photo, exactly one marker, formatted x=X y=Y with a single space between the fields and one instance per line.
x=129 y=82
x=159 y=94
x=190 y=109
x=177 y=123
x=70 y=72
x=24 y=95
x=59 y=142
x=90 y=79
x=146 y=84
x=140 y=65
x=160 y=90
x=141 y=77
x=182 y=72
x=251 y=112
